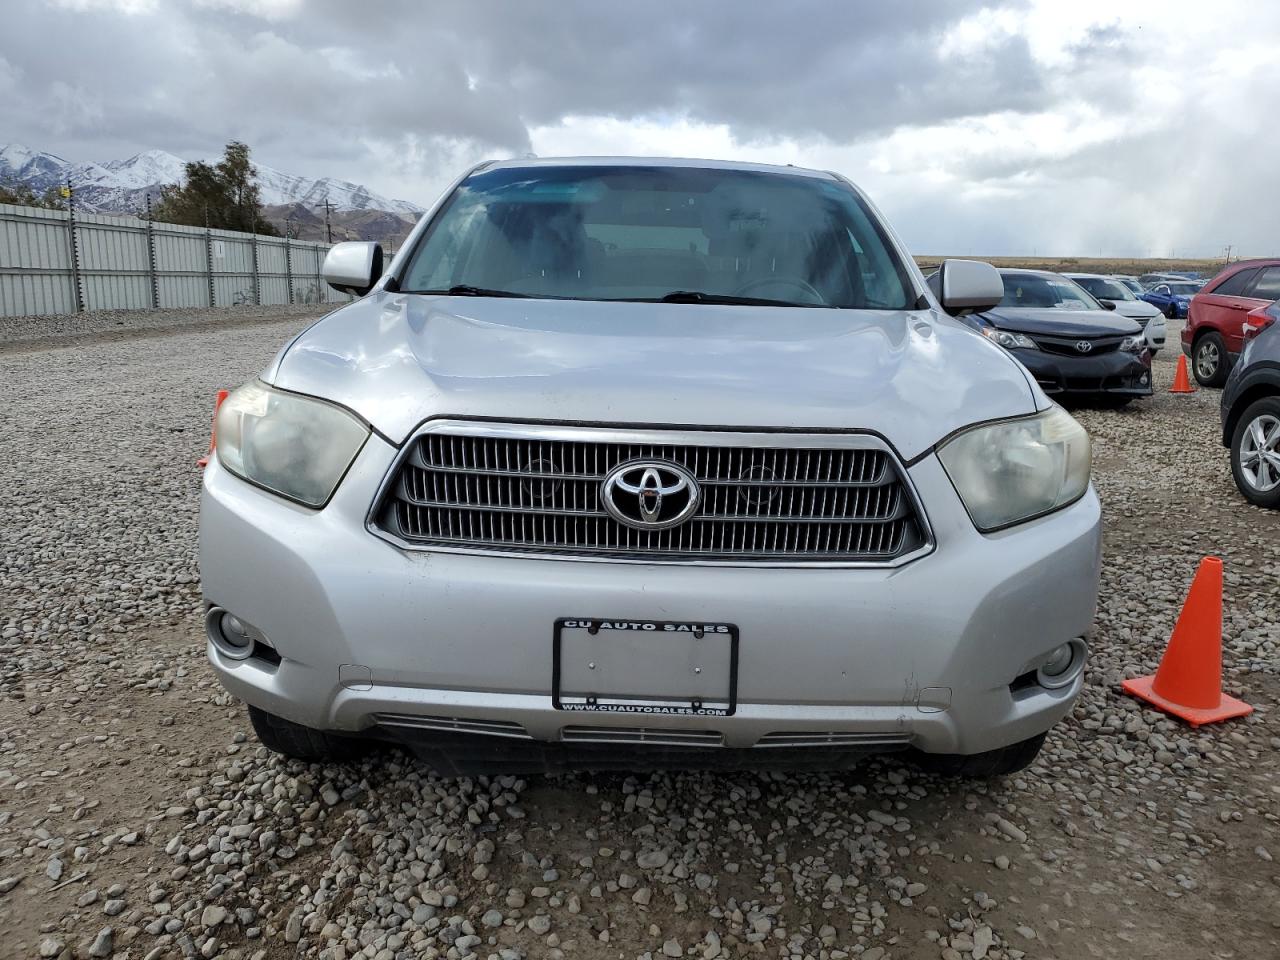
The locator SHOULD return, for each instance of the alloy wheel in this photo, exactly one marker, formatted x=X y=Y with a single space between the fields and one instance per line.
x=1207 y=360
x=1260 y=453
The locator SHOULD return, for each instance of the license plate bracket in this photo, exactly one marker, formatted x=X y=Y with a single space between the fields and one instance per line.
x=645 y=667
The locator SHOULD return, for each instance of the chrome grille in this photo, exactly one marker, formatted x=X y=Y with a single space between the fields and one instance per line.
x=765 y=497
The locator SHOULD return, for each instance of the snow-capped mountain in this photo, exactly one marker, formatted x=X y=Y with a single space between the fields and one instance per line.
x=122 y=185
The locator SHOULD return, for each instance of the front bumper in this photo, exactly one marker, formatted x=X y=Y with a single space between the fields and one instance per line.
x=933 y=654
x=1155 y=331
x=1114 y=372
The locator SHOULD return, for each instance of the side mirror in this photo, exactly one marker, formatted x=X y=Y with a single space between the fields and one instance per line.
x=1108 y=304
x=353 y=267
x=968 y=286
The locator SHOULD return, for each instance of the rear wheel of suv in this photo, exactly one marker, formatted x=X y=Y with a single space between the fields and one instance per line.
x=992 y=763
x=304 y=743
x=1209 y=360
x=1255 y=453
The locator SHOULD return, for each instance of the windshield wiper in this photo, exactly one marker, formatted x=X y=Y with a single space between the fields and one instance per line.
x=466 y=290
x=698 y=296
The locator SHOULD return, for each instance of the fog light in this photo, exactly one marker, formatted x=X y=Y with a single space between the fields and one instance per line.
x=1059 y=661
x=234 y=630
x=1062 y=666
x=232 y=637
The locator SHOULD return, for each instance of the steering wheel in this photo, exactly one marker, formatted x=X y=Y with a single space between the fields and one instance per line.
x=796 y=283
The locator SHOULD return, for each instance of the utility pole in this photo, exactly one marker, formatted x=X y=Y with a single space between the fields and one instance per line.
x=328 y=229
x=1228 y=253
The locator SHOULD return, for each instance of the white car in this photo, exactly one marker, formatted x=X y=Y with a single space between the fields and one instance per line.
x=1109 y=290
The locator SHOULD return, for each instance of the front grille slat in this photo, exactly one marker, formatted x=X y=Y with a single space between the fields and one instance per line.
x=764 y=501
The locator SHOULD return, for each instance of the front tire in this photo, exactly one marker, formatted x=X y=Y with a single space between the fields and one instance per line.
x=1209 y=360
x=303 y=743
x=1255 y=453
x=993 y=763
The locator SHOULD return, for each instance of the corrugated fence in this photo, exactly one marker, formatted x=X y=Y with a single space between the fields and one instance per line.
x=52 y=262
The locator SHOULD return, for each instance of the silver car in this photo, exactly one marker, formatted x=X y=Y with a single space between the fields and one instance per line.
x=645 y=463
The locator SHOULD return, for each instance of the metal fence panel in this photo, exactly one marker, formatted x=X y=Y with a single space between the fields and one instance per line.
x=114 y=270
x=182 y=266
x=194 y=266
x=35 y=262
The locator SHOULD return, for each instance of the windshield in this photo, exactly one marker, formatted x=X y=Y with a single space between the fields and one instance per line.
x=1105 y=289
x=1038 y=290
x=645 y=233
x=1133 y=286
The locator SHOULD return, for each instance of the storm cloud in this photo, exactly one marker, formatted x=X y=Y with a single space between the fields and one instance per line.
x=979 y=128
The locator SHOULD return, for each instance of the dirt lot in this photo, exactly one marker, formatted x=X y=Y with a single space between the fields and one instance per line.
x=138 y=817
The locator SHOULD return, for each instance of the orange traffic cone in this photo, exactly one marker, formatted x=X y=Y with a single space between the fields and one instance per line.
x=1188 y=683
x=1181 y=383
x=213 y=434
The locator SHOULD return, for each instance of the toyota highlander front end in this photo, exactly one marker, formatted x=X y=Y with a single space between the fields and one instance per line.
x=650 y=463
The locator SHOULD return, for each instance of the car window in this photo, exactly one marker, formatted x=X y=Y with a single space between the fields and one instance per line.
x=1234 y=285
x=1104 y=288
x=1267 y=285
x=639 y=232
x=1183 y=288
x=1035 y=290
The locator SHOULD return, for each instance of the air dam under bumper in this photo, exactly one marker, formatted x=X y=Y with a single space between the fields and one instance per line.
x=926 y=654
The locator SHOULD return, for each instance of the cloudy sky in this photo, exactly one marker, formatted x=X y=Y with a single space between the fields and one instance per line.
x=1042 y=127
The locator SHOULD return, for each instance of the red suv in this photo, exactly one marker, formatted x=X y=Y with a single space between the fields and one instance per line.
x=1212 y=335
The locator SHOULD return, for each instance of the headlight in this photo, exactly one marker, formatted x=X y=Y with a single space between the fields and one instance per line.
x=296 y=446
x=1009 y=340
x=1015 y=470
x=1133 y=344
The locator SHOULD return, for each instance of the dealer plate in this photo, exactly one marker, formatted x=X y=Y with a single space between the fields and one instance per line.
x=653 y=667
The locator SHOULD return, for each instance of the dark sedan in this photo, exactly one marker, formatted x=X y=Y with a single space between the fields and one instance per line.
x=1071 y=343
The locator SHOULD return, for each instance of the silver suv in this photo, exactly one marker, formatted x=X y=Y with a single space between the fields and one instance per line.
x=649 y=463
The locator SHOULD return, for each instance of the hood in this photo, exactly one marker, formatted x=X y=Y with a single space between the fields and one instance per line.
x=1055 y=322
x=1138 y=309
x=399 y=359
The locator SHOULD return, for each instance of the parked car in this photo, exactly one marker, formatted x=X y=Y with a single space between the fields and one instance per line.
x=1172 y=297
x=535 y=499
x=1149 y=280
x=1108 y=291
x=1073 y=346
x=1212 y=335
x=1251 y=409
x=1130 y=283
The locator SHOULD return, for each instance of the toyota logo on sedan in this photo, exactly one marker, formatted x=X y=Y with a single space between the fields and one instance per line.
x=1084 y=346
x=650 y=494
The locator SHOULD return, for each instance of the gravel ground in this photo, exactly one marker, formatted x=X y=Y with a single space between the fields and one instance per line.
x=24 y=334
x=139 y=818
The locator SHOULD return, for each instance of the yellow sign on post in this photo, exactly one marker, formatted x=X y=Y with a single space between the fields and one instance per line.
x=65 y=192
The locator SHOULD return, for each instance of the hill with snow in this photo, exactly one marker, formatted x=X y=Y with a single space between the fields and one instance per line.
x=121 y=186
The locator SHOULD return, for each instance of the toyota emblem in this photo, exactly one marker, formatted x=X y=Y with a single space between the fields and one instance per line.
x=650 y=494
x=1084 y=346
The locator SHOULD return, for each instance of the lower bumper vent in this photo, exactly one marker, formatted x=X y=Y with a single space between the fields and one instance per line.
x=488 y=728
